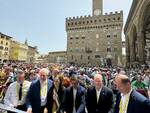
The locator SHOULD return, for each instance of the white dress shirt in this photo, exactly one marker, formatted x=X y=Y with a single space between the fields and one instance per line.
x=12 y=94
x=147 y=80
x=74 y=99
x=125 y=101
x=98 y=94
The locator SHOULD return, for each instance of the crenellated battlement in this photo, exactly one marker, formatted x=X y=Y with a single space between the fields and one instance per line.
x=107 y=18
x=90 y=16
x=78 y=17
x=114 y=13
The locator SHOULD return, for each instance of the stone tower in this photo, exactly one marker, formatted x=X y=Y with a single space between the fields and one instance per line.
x=97 y=7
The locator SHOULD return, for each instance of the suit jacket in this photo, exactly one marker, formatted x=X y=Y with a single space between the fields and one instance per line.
x=137 y=103
x=104 y=104
x=33 y=97
x=79 y=102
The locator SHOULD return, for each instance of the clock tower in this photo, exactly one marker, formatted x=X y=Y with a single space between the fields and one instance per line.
x=97 y=7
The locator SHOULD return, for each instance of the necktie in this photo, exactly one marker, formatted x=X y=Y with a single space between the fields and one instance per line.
x=123 y=106
x=20 y=92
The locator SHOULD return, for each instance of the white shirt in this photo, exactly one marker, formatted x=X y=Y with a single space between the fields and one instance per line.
x=98 y=94
x=43 y=93
x=147 y=80
x=74 y=99
x=12 y=94
x=125 y=100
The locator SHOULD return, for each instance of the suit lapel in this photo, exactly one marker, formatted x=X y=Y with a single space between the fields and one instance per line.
x=38 y=91
x=101 y=96
x=39 y=87
x=131 y=102
x=95 y=95
x=77 y=94
x=71 y=96
x=49 y=85
x=78 y=91
x=71 y=89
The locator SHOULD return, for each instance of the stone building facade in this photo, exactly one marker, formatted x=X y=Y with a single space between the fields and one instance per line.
x=137 y=33
x=31 y=54
x=23 y=52
x=14 y=50
x=20 y=52
x=57 y=57
x=95 y=39
x=4 y=47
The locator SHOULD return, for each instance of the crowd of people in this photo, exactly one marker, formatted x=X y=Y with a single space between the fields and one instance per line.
x=61 y=88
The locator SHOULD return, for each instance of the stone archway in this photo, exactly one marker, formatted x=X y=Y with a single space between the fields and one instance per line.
x=133 y=44
x=145 y=26
x=127 y=50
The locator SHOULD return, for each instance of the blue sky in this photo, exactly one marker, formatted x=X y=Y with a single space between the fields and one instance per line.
x=42 y=22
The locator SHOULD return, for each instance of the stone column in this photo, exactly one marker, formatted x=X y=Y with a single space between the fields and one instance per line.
x=132 y=50
x=141 y=46
x=127 y=51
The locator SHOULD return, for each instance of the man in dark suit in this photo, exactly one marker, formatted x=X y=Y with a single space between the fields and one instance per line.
x=129 y=101
x=39 y=96
x=99 y=99
x=74 y=97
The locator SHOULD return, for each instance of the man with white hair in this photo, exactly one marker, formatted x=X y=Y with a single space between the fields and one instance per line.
x=39 y=96
x=99 y=99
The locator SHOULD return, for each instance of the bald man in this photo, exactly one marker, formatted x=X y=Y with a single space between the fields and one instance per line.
x=40 y=94
x=129 y=100
x=99 y=99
